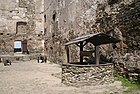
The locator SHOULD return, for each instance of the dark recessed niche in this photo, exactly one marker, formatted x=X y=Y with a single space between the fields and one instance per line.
x=51 y=48
x=20 y=27
x=1 y=33
x=8 y=34
x=45 y=18
x=54 y=17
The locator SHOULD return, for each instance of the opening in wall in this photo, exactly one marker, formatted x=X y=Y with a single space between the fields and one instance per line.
x=1 y=33
x=45 y=18
x=54 y=17
x=17 y=46
x=21 y=27
x=20 y=46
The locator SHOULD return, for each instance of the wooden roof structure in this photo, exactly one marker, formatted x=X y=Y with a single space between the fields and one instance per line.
x=96 y=39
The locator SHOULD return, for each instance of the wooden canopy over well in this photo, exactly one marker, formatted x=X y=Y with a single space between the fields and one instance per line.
x=96 y=39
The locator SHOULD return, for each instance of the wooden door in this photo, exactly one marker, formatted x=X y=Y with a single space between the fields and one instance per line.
x=24 y=47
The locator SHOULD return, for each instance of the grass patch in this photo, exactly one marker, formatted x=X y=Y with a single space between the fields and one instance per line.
x=133 y=86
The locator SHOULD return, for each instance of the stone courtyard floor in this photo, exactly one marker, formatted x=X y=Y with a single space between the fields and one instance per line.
x=31 y=77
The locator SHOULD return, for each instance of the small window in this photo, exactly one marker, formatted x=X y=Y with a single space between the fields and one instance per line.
x=54 y=17
x=45 y=18
x=45 y=30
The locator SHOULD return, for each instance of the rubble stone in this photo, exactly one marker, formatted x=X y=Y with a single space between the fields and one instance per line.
x=128 y=65
x=79 y=75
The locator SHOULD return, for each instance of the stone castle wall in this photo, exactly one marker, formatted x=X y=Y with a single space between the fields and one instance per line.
x=67 y=19
x=13 y=12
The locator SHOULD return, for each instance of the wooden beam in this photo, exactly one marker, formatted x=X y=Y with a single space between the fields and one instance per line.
x=97 y=56
x=67 y=52
x=81 y=49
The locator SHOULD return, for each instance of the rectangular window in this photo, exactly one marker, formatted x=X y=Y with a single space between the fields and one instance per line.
x=21 y=27
x=23 y=3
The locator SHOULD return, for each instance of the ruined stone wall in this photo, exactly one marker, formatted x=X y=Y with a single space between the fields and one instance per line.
x=50 y=9
x=67 y=19
x=79 y=75
x=78 y=17
x=21 y=11
x=125 y=16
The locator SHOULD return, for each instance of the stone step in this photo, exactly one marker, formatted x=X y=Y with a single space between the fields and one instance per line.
x=18 y=57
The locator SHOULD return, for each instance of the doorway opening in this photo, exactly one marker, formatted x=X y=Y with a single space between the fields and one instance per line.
x=20 y=46
x=17 y=46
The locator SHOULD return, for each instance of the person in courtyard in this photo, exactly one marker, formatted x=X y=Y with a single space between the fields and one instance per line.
x=41 y=59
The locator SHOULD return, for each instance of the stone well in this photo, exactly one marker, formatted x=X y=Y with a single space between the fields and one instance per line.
x=79 y=75
x=89 y=72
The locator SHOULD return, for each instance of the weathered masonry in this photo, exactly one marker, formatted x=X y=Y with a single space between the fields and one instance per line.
x=68 y=19
x=21 y=26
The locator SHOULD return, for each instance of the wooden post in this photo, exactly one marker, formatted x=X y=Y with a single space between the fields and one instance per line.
x=97 y=56
x=67 y=52
x=81 y=49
